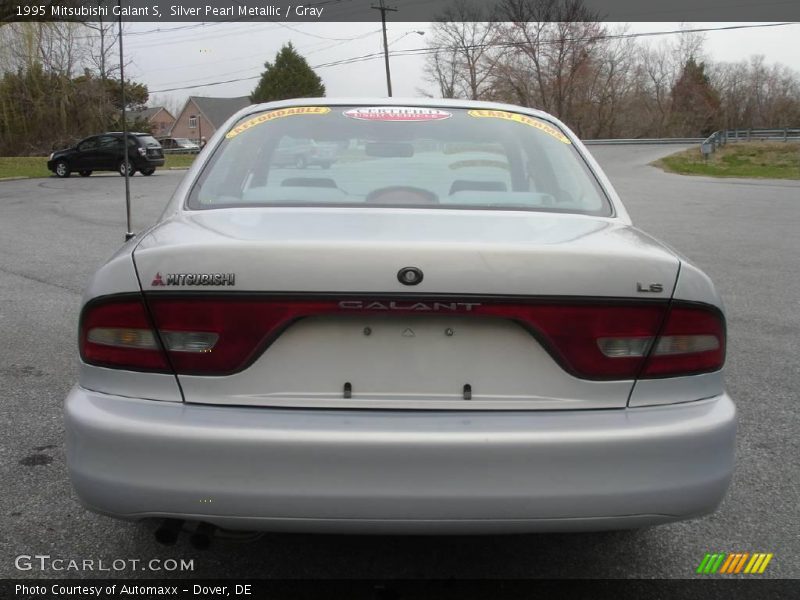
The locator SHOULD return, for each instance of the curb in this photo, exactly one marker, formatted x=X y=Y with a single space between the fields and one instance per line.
x=15 y=178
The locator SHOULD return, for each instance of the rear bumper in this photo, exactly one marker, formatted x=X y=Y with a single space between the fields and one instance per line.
x=150 y=163
x=392 y=471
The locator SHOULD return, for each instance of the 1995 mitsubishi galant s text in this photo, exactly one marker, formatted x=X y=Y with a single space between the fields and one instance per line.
x=453 y=329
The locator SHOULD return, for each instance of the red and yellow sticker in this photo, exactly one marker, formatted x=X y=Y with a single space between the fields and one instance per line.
x=277 y=114
x=524 y=119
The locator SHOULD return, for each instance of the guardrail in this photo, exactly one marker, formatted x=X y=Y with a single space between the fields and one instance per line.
x=720 y=138
x=622 y=142
x=712 y=142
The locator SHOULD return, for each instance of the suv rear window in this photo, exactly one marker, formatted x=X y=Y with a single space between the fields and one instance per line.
x=148 y=140
x=398 y=157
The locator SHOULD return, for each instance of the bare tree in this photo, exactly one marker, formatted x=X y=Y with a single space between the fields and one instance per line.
x=551 y=47
x=102 y=48
x=462 y=36
x=442 y=70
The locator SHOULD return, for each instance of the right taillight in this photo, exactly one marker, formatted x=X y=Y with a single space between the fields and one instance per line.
x=691 y=341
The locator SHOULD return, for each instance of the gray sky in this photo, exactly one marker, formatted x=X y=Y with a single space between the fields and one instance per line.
x=222 y=51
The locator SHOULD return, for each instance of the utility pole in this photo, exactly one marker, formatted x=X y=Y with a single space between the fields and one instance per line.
x=128 y=233
x=383 y=8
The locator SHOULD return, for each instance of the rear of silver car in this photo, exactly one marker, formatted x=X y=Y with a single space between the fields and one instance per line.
x=306 y=357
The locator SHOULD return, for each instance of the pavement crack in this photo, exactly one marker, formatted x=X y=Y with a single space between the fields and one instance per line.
x=42 y=281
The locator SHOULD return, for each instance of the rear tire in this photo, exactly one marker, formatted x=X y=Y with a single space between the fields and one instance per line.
x=85 y=173
x=147 y=172
x=62 y=169
x=121 y=169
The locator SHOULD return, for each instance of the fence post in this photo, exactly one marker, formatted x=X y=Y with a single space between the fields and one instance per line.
x=785 y=134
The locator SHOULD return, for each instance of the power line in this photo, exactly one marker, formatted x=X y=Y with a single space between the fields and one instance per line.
x=433 y=49
x=259 y=66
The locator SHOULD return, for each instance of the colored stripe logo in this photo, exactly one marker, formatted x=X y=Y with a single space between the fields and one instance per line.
x=733 y=563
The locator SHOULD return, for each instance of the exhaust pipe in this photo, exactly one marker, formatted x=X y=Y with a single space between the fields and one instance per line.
x=167 y=533
x=202 y=536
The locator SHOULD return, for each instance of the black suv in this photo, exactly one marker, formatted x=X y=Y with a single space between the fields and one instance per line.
x=105 y=152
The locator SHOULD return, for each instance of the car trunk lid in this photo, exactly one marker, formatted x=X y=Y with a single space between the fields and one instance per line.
x=359 y=337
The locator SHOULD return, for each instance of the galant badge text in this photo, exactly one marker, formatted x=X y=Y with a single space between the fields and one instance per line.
x=409 y=306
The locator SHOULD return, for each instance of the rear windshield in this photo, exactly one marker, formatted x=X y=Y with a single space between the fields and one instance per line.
x=398 y=157
x=148 y=140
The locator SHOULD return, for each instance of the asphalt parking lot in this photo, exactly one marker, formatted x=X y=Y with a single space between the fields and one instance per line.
x=54 y=233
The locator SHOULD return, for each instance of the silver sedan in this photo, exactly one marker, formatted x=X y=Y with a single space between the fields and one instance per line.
x=455 y=328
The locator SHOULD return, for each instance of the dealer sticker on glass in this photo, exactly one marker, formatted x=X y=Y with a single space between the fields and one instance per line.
x=277 y=114
x=397 y=113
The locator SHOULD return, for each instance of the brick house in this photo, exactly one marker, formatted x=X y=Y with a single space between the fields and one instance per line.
x=158 y=118
x=201 y=116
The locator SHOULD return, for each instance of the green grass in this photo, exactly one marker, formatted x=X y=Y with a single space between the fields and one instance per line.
x=767 y=160
x=179 y=161
x=36 y=166
x=23 y=166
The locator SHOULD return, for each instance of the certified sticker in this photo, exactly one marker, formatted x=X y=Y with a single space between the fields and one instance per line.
x=524 y=119
x=397 y=113
x=277 y=114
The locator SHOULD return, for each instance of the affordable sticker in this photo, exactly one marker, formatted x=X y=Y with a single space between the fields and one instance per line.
x=277 y=114
x=524 y=119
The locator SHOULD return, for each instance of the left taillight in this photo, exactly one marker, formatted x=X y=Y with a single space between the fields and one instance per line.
x=117 y=333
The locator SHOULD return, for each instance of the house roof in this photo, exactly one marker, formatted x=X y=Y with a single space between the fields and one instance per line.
x=218 y=110
x=148 y=113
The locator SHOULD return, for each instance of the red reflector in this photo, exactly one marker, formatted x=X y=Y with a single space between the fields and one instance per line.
x=692 y=341
x=245 y=327
x=117 y=333
x=213 y=335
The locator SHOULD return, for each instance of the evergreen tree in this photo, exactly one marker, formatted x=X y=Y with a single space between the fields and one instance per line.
x=289 y=76
x=695 y=102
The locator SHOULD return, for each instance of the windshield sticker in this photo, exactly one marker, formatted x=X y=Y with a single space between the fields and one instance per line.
x=277 y=114
x=524 y=119
x=397 y=113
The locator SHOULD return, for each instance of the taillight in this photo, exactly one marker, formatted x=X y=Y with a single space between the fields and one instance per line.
x=214 y=335
x=117 y=333
x=572 y=333
x=246 y=326
x=691 y=341
x=240 y=328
